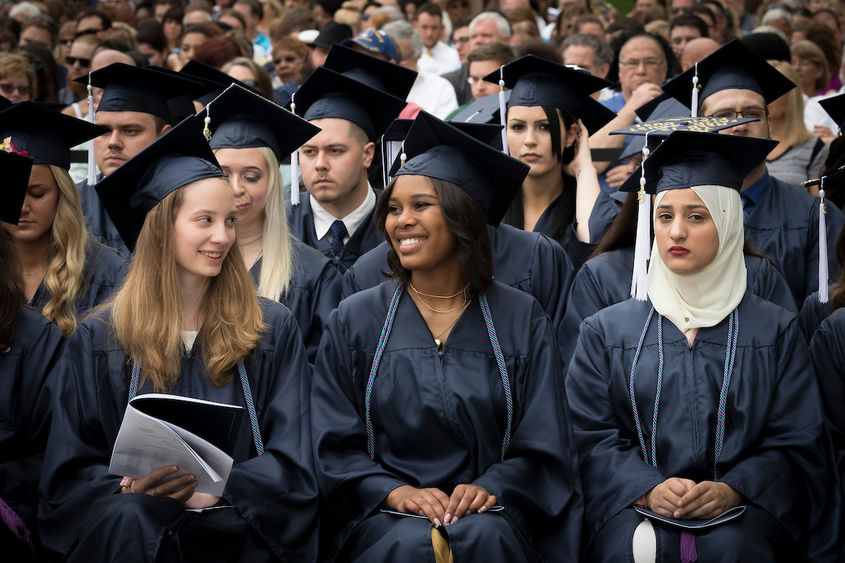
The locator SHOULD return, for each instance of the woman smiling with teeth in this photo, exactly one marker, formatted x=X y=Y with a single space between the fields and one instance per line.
x=436 y=395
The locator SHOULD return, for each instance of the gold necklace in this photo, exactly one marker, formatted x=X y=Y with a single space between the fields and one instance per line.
x=437 y=341
x=440 y=296
x=430 y=308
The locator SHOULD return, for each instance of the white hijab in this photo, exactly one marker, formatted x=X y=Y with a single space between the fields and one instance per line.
x=705 y=298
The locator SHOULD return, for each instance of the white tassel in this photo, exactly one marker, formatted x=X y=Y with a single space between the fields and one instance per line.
x=641 y=248
x=823 y=273
x=294 y=164
x=502 y=110
x=694 y=108
x=92 y=163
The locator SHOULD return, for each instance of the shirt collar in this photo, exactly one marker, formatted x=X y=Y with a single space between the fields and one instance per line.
x=755 y=192
x=323 y=219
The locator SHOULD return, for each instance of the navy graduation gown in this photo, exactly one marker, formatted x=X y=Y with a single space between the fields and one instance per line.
x=313 y=293
x=439 y=422
x=99 y=223
x=531 y=262
x=606 y=280
x=103 y=273
x=784 y=226
x=25 y=410
x=827 y=349
x=275 y=493
x=365 y=237
x=776 y=453
x=813 y=312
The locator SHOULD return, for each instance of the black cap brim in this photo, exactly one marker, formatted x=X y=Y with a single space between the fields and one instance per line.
x=16 y=169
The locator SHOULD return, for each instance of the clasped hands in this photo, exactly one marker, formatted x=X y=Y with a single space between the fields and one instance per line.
x=181 y=488
x=437 y=506
x=687 y=500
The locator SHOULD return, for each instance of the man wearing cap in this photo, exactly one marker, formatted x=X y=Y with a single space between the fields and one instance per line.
x=335 y=217
x=780 y=219
x=134 y=105
x=330 y=34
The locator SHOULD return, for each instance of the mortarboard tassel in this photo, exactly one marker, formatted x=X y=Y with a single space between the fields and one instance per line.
x=384 y=164
x=641 y=249
x=502 y=111
x=695 y=89
x=823 y=273
x=92 y=165
x=206 y=122
x=403 y=157
x=294 y=164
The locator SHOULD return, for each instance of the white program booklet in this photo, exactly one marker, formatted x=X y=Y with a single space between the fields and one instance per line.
x=155 y=432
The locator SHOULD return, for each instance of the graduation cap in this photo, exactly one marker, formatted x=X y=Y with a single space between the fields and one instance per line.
x=383 y=75
x=214 y=81
x=327 y=94
x=439 y=150
x=732 y=66
x=835 y=108
x=45 y=135
x=242 y=119
x=16 y=169
x=175 y=159
x=683 y=160
x=539 y=82
x=482 y=110
x=145 y=90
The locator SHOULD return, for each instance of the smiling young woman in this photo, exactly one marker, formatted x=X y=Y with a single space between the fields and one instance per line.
x=187 y=322
x=458 y=365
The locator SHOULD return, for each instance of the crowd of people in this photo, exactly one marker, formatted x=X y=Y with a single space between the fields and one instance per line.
x=490 y=280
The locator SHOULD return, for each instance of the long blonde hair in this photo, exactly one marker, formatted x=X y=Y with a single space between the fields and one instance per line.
x=794 y=132
x=277 y=253
x=146 y=312
x=65 y=274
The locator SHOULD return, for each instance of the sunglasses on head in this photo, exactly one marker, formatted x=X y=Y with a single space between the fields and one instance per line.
x=73 y=60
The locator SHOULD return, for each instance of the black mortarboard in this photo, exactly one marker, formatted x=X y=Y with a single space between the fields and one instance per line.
x=241 y=119
x=690 y=158
x=732 y=66
x=436 y=149
x=769 y=46
x=213 y=80
x=539 y=82
x=175 y=159
x=835 y=108
x=16 y=169
x=145 y=90
x=44 y=134
x=327 y=94
x=482 y=110
x=330 y=34
x=383 y=75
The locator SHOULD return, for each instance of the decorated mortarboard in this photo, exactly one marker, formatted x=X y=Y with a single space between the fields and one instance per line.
x=834 y=106
x=43 y=134
x=145 y=90
x=329 y=94
x=175 y=159
x=539 y=82
x=214 y=81
x=482 y=110
x=732 y=66
x=685 y=159
x=395 y=134
x=436 y=149
x=383 y=75
x=16 y=169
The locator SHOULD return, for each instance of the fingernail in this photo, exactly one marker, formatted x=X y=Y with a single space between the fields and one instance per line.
x=482 y=509
x=123 y=482
x=173 y=468
x=437 y=522
x=455 y=520
x=447 y=518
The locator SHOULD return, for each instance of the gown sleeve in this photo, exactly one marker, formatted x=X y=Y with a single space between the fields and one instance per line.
x=553 y=279
x=324 y=298
x=828 y=353
x=585 y=299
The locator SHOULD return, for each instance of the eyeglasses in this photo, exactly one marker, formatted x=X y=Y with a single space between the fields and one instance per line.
x=460 y=40
x=750 y=113
x=73 y=60
x=456 y=5
x=7 y=89
x=68 y=41
x=91 y=31
x=650 y=62
x=288 y=60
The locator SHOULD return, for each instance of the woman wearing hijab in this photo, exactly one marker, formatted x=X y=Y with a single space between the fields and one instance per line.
x=700 y=399
x=439 y=424
x=185 y=322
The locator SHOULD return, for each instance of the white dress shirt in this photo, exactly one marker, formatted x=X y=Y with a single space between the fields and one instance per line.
x=323 y=219
x=440 y=59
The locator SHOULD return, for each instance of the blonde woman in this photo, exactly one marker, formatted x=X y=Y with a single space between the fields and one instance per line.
x=65 y=273
x=250 y=136
x=799 y=155
x=186 y=322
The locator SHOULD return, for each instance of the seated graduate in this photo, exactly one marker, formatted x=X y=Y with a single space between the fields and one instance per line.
x=814 y=310
x=335 y=216
x=606 y=278
x=560 y=196
x=437 y=394
x=29 y=348
x=738 y=423
x=65 y=271
x=186 y=322
x=250 y=136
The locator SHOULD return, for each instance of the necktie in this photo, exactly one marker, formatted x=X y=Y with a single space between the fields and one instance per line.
x=338 y=233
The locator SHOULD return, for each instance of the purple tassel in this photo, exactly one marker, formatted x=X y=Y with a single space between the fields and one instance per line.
x=12 y=521
x=688 y=553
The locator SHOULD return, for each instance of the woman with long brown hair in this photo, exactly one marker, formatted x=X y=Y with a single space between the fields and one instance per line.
x=186 y=321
